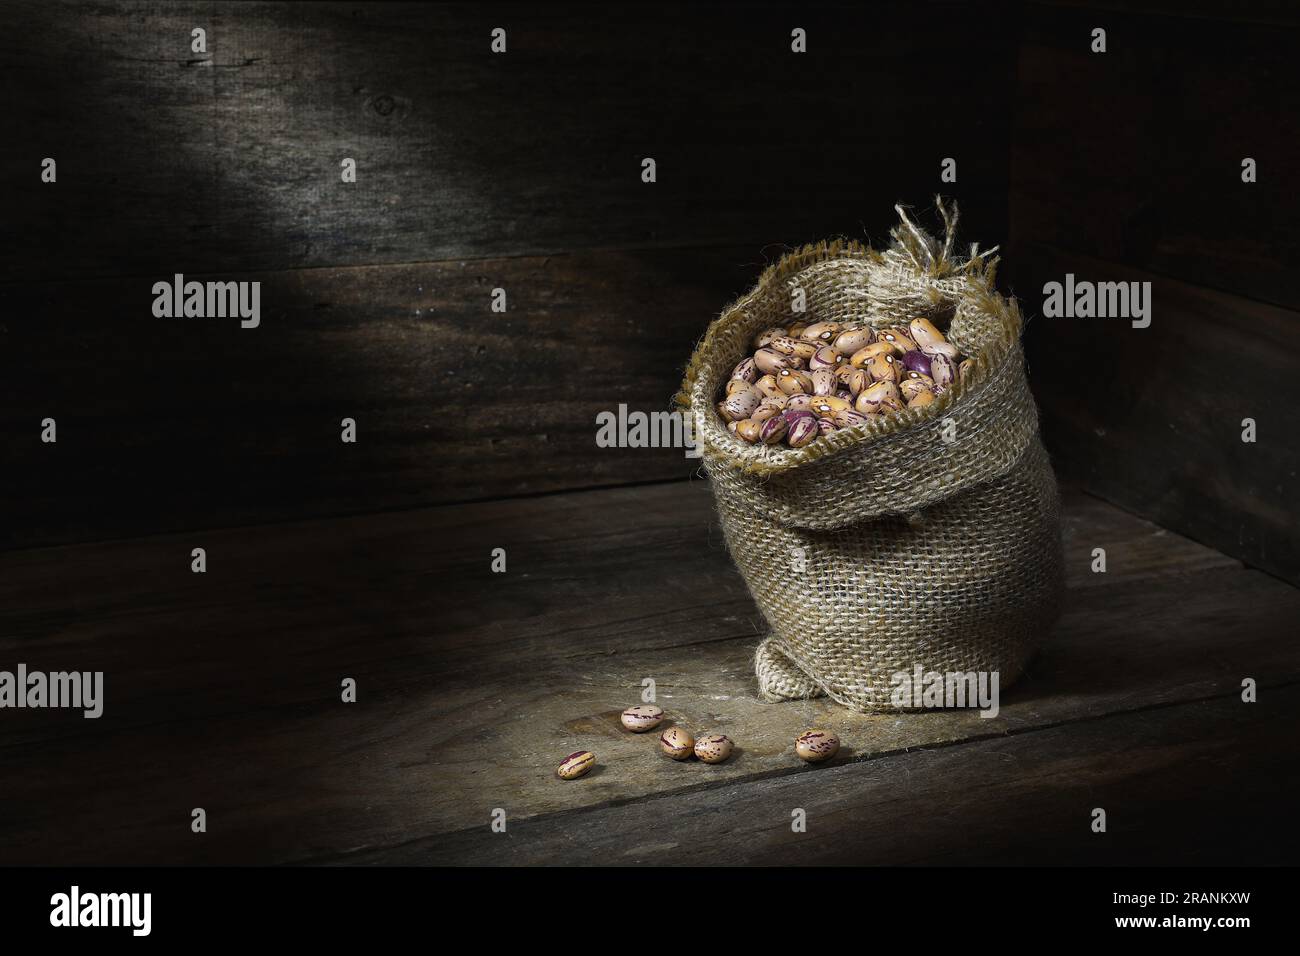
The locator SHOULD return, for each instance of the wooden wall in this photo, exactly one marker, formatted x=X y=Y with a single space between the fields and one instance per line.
x=475 y=171
x=1126 y=166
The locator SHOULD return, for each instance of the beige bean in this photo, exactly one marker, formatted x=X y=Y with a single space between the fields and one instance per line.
x=825 y=426
x=862 y=356
x=788 y=346
x=828 y=406
x=851 y=419
x=796 y=330
x=941 y=348
x=802 y=431
x=642 y=717
x=766 y=410
x=921 y=399
x=911 y=387
x=677 y=743
x=815 y=746
x=826 y=357
x=883 y=368
x=734 y=385
x=576 y=764
x=943 y=369
x=856 y=380
x=770 y=361
x=792 y=382
x=766 y=336
x=746 y=370
x=823 y=333
x=748 y=430
x=851 y=340
x=798 y=403
x=713 y=748
x=824 y=382
x=768 y=388
x=924 y=332
x=879 y=398
x=741 y=404
x=773 y=430
x=898 y=337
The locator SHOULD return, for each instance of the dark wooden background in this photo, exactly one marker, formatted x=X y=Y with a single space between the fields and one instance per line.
x=522 y=171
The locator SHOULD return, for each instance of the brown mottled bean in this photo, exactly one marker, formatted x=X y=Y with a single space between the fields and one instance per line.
x=768 y=388
x=576 y=764
x=943 y=369
x=851 y=340
x=642 y=717
x=746 y=371
x=677 y=743
x=773 y=430
x=713 y=748
x=802 y=431
x=815 y=746
x=748 y=430
x=828 y=406
x=883 y=368
x=741 y=404
x=879 y=398
x=924 y=332
x=792 y=382
x=823 y=333
x=826 y=357
x=898 y=337
x=922 y=398
x=770 y=361
x=862 y=356
x=941 y=348
x=823 y=380
x=798 y=403
x=764 y=338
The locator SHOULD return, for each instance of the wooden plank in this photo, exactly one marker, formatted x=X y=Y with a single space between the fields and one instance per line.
x=245 y=720
x=1183 y=785
x=1154 y=425
x=422 y=602
x=1135 y=155
x=172 y=161
x=170 y=424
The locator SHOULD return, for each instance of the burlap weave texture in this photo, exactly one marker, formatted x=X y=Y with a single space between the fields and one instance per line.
x=931 y=538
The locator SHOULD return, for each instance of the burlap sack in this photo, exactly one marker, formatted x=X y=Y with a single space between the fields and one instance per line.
x=885 y=547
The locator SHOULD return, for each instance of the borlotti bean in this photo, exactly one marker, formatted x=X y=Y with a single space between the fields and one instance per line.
x=677 y=743
x=905 y=515
x=713 y=748
x=826 y=369
x=576 y=765
x=641 y=718
x=815 y=746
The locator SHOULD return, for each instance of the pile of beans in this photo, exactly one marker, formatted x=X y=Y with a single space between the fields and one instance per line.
x=813 y=746
x=810 y=380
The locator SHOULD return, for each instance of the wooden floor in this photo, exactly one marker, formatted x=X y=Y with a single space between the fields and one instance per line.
x=223 y=692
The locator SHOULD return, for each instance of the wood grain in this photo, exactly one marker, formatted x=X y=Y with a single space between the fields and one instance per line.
x=1152 y=418
x=284 y=611
x=1135 y=155
x=224 y=694
x=1180 y=786
x=173 y=161
x=170 y=424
